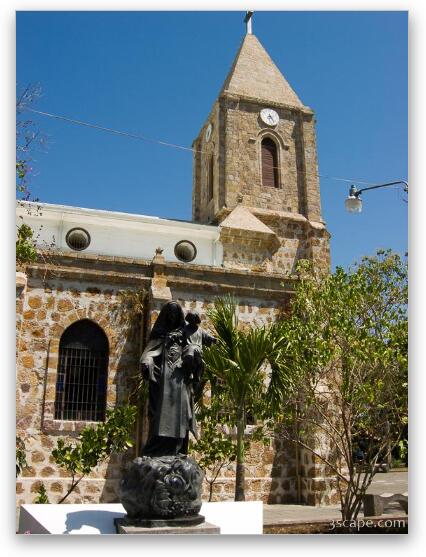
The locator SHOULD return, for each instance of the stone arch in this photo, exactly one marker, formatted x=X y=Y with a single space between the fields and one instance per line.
x=78 y=314
x=49 y=423
x=266 y=132
x=82 y=372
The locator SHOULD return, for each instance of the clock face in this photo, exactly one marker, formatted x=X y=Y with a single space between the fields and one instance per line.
x=208 y=133
x=269 y=117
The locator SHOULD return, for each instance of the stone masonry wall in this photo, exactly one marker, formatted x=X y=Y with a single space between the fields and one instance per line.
x=46 y=309
x=244 y=134
x=236 y=143
x=46 y=312
x=204 y=208
x=297 y=240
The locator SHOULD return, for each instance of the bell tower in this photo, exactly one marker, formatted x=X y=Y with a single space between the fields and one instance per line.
x=256 y=154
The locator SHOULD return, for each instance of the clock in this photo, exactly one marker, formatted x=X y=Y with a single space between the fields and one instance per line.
x=269 y=117
x=208 y=133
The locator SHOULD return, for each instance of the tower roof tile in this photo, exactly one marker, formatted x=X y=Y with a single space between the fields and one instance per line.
x=254 y=74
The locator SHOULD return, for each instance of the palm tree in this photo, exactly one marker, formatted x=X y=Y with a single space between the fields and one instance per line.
x=240 y=361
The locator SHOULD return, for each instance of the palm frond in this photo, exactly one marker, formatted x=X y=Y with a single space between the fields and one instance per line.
x=225 y=322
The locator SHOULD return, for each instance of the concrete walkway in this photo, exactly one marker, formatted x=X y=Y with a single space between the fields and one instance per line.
x=287 y=515
x=395 y=481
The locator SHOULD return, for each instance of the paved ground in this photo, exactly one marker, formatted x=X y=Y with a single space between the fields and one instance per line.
x=383 y=484
x=390 y=482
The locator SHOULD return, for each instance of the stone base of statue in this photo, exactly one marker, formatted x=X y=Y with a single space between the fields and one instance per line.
x=161 y=492
x=179 y=525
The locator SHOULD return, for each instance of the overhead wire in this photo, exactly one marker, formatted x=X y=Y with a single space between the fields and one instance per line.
x=168 y=144
x=109 y=130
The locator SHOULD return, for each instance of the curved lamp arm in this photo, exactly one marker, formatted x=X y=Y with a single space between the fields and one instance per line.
x=354 y=192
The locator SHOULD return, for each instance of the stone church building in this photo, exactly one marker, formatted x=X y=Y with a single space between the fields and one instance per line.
x=85 y=308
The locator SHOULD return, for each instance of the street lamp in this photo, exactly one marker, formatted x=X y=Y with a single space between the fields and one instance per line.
x=353 y=202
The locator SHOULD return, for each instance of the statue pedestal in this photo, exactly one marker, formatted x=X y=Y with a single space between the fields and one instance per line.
x=162 y=492
x=243 y=518
x=180 y=525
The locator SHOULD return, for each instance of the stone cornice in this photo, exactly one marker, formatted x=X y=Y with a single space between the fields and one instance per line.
x=226 y=95
x=127 y=271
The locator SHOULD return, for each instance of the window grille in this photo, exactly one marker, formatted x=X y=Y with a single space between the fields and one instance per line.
x=82 y=373
x=269 y=163
x=185 y=251
x=77 y=239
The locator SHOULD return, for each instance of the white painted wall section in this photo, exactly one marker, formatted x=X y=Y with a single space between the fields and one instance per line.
x=121 y=234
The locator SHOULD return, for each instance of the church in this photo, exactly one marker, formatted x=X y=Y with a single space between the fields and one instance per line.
x=84 y=310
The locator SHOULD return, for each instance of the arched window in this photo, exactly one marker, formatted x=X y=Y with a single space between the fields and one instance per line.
x=210 y=179
x=269 y=163
x=82 y=373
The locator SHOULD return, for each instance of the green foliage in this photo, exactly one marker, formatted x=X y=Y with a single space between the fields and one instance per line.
x=214 y=446
x=403 y=449
x=244 y=369
x=245 y=363
x=42 y=498
x=215 y=449
x=25 y=245
x=21 y=459
x=347 y=357
x=95 y=444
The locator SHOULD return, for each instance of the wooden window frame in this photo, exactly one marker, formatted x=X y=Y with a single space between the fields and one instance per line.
x=277 y=173
x=210 y=178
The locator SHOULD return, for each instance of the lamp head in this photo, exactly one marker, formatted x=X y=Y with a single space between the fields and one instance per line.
x=353 y=202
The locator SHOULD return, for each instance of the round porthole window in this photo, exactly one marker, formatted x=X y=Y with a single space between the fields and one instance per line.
x=185 y=251
x=77 y=239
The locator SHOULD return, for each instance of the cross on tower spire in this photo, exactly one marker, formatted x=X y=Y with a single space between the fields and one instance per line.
x=247 y=21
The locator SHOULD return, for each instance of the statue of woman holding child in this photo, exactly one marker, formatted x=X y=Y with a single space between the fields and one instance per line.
x=172 y=364
x=163 y=486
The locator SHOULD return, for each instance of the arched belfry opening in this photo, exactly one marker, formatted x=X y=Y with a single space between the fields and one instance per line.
x=269 y=161
x=82 y=373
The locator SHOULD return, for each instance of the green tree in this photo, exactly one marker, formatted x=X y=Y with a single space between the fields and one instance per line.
x=346 y=354
x=215 y=449
x=245 y=360
x=95 y=444
x=26 y=251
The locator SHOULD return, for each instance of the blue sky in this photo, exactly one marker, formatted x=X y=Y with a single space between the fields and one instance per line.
x=158 y=73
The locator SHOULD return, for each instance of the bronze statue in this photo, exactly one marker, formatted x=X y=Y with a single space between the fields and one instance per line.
x=163 y=486
x=172 y=363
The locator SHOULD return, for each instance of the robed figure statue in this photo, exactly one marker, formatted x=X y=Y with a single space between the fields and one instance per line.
x=172 y=364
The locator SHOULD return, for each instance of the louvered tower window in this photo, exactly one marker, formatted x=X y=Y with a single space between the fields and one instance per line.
x=82 y=373
x=269 y=163
x=210 y=179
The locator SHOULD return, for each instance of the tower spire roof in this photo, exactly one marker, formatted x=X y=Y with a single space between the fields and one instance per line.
x=254 y=74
